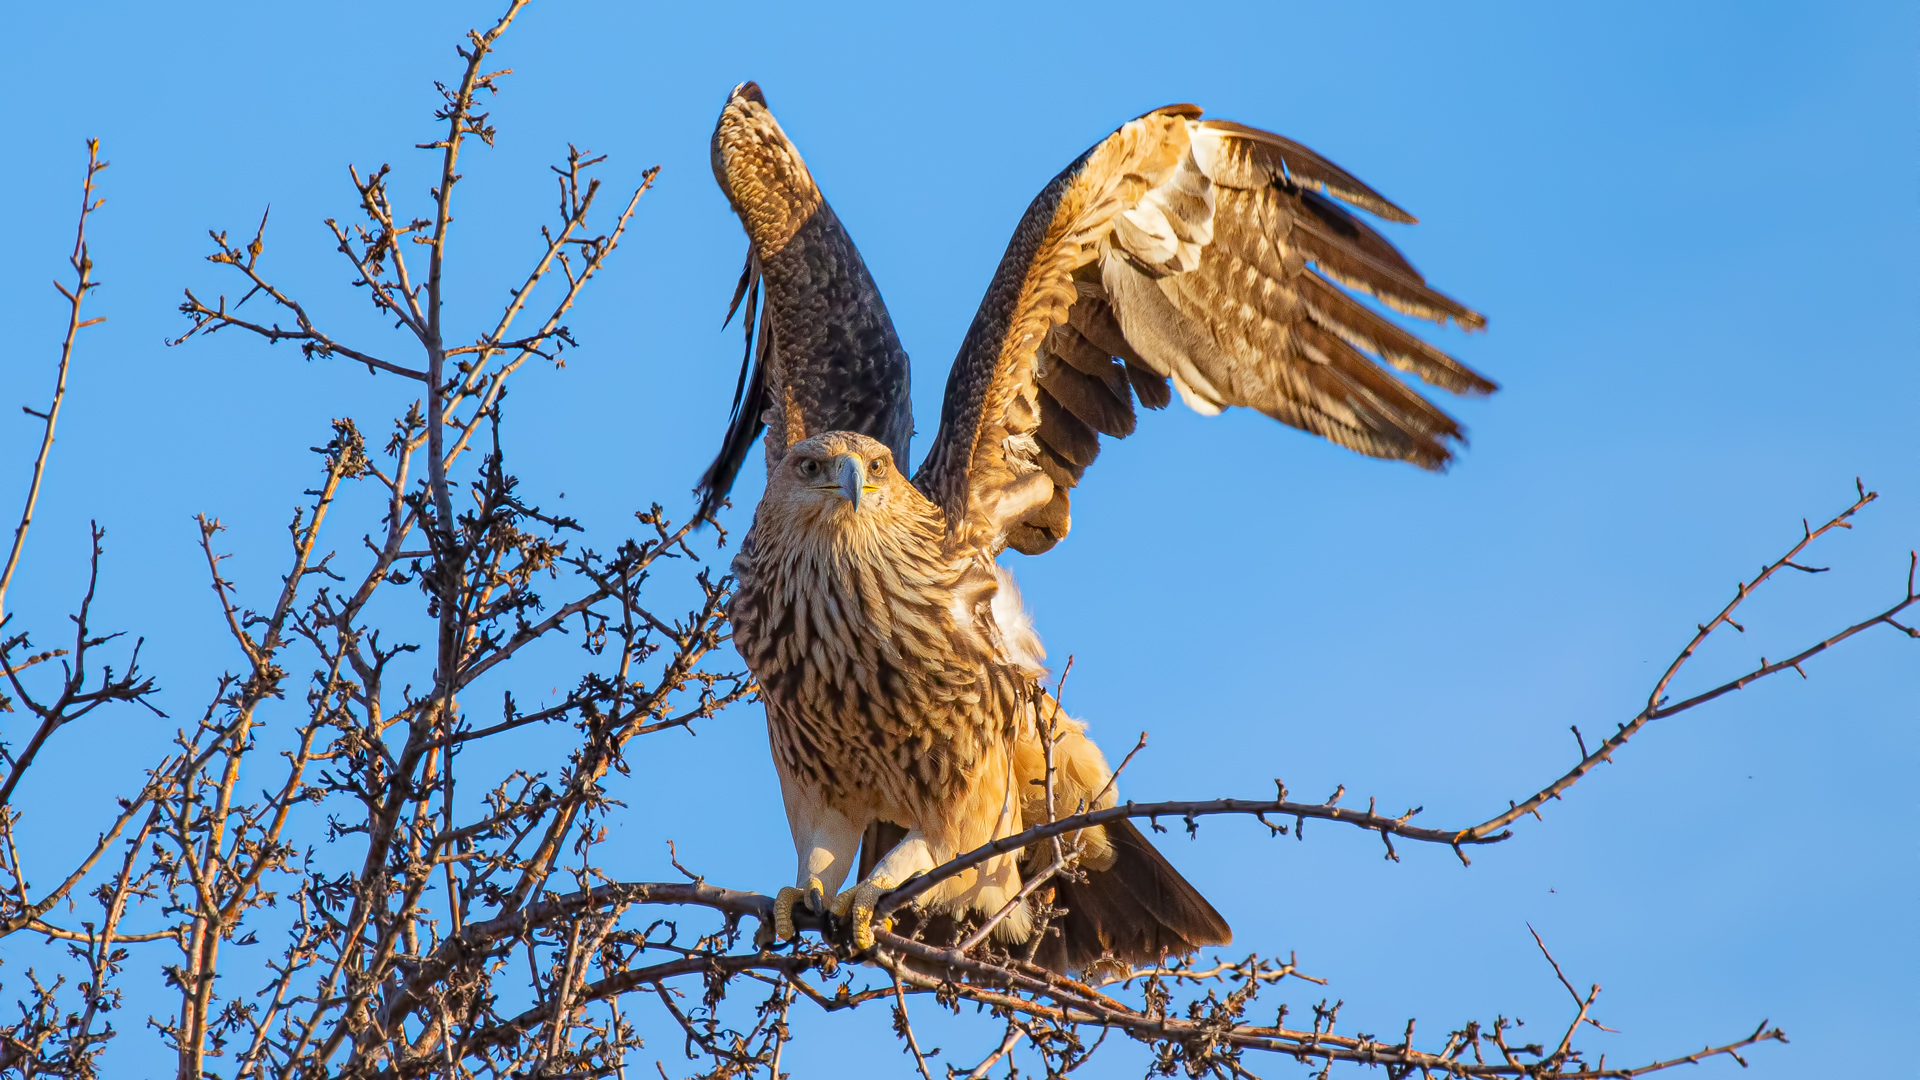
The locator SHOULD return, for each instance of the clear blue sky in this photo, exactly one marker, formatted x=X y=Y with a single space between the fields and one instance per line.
x=1693 y=228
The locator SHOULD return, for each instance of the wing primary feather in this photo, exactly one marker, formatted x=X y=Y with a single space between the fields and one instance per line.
x=1333 y=309
x=746 y=427
x=746 y=421
x=752 y=290
x=1358 y=233
x=749 y=274
x=1277 y=154
x=1357 y=269
x=1256 y=230
x=1392 y=403
x=1347 y=250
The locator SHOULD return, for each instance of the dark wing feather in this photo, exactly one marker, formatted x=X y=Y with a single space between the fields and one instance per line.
x=1200 y=256
x=1089 y=382
x=823 y=354
x=750 y=400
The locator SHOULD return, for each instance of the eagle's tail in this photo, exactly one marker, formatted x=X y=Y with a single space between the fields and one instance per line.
x=1136 y=910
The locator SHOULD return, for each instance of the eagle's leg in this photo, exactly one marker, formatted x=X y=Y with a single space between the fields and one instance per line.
x=909 y=857
x=825 y=840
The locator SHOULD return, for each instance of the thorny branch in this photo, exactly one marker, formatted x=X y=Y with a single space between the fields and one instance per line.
x=1658 y=706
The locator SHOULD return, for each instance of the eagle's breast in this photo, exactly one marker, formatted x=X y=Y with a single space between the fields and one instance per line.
x=882 y=696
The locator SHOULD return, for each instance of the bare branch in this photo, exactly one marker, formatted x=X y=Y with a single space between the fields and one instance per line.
x=83 y=283
x=1657 y=707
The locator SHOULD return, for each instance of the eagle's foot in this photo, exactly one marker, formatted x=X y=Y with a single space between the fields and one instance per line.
x=855 y=907
x=815 y=895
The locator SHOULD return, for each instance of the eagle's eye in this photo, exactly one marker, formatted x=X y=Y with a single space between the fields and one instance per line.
x=877 y=467
x=809 y=467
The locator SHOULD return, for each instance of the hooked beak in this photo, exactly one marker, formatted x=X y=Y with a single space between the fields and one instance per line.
x=852 y=474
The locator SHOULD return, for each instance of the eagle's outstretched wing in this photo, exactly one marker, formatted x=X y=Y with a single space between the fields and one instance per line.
x=822 y=355
x=1201 y=252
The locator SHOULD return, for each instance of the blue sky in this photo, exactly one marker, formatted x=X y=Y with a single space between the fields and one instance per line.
x=1691 y=226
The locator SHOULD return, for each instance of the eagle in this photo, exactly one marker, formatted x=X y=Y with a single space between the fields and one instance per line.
x=902 y=678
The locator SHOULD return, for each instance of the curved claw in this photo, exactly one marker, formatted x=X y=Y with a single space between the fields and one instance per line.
x=814 y=894
x=855 y=906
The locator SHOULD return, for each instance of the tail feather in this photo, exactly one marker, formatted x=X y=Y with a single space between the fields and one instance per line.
x=1137 y=911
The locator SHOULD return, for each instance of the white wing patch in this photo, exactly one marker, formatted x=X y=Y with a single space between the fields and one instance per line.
x=1170 y=225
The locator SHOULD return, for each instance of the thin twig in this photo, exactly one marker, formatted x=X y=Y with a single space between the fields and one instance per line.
x=83 y=283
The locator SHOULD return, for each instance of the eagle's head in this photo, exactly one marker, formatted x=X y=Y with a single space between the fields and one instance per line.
x=841 y=495
x=836 y=481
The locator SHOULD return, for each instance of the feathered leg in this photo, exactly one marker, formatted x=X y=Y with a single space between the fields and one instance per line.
x=825 y=840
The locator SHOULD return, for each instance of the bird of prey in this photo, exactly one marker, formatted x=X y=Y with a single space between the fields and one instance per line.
x=900 y=671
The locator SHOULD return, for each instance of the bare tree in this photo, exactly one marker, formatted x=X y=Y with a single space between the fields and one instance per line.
x=455 y=921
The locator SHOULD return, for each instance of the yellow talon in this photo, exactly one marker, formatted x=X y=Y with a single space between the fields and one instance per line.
x=856 y=907
x=783 y=901
x=783 y=912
